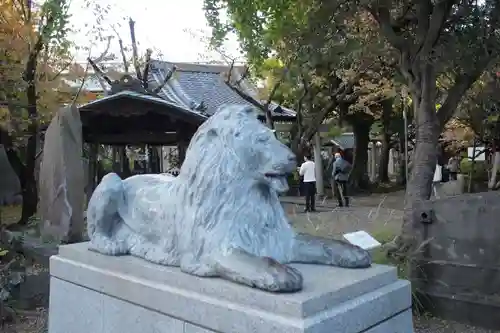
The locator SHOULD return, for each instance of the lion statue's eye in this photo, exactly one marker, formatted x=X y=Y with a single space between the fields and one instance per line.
x=263 y=138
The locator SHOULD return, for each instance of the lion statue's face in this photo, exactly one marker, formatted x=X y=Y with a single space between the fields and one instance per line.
x=250 y=147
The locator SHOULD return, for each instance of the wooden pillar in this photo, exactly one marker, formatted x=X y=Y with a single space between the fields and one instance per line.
x=114 y=154
x=183 y=136
x=121 y=158
x=149 y=160
x=373 y=162
x=92 y=167
x=160 y=154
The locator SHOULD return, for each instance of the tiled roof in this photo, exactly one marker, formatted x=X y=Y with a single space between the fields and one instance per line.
x=156 y=100
x=197 y=87
x=195 y=84
x=344 y=141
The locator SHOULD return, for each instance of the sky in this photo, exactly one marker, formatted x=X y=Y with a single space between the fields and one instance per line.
x=176 y=30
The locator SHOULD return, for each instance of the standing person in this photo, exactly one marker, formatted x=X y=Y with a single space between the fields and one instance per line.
x=307 y=170
x=340 y=173
x=453 y=166
x=329 y=172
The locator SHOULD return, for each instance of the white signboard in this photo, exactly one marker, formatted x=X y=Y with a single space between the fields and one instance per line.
x=479 y=153
x=362 y=239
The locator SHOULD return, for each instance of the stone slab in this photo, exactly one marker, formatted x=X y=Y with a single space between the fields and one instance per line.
x=83 y=311
x=111 y=315
x=351 y=301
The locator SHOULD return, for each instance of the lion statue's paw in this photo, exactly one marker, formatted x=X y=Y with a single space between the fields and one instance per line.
x=355 y=257
x=108 y=246
x=280 y=278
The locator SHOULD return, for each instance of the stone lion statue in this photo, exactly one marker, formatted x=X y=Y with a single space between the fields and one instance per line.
x=221 y=216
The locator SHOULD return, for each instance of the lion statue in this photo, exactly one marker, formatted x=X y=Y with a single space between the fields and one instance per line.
x=221 y=216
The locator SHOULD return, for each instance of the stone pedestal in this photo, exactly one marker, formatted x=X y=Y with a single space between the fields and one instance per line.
x=90 y=292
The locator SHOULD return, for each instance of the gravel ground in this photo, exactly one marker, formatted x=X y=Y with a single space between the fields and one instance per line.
x=28 y=322
x=435 y=325
x=337 y=221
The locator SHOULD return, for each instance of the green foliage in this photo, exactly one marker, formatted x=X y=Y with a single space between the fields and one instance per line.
x=480 y=110
x=55 y=22
x=12 y=273
x=480 y=171
x=293 y=179
x=335 y=131
x=42 y=34
x=329 y=59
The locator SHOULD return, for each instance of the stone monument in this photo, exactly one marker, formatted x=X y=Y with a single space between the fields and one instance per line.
x=221 y=217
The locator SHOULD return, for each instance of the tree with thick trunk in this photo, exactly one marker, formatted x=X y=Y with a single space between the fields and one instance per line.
x=385 y=139
x=361 y=124
x=49 y=22
x=432 y=36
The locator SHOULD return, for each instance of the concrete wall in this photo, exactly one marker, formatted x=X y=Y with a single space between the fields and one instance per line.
x=457 y=275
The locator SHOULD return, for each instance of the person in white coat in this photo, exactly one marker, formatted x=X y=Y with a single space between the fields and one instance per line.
x=307 y=170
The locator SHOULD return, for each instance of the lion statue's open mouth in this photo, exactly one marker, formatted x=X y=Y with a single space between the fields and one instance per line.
x=212 y=219
x=278 y=181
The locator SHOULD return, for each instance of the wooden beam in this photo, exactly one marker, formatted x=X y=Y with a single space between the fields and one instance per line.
x=133 y=138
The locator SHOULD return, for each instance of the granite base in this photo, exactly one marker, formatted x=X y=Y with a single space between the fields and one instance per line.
x=90 y=292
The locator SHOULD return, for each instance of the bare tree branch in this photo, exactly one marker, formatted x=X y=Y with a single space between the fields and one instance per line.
x=167 y=77
x=105 y=53
x=135 y=53
x=230 y=72
x=65 y=67
x=122 y=50
x=99 y=71
x=264 y=108
x=145 y=75
x=101 y=76
x=243 y=75
x=83 y=80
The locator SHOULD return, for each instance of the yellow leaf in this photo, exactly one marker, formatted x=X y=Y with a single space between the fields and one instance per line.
x=3 y=252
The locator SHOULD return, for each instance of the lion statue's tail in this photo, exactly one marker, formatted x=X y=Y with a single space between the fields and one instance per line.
x=103 y=220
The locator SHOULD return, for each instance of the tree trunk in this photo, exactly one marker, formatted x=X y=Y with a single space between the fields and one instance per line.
x=26 y=182
x=17 y=165
x=492 y=184
x=361 y=124
x=383 y=167
x=30 y=192
x=318 y=163
x=402 y=162
x=425 y=155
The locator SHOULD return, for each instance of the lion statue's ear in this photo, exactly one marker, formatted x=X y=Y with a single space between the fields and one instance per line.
x=249 y=109
x=212 y=133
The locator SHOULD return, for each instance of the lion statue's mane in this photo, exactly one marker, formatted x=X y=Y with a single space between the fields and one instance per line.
x=225 y=199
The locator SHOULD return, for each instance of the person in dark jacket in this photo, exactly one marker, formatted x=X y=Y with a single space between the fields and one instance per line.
x=340 y=173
